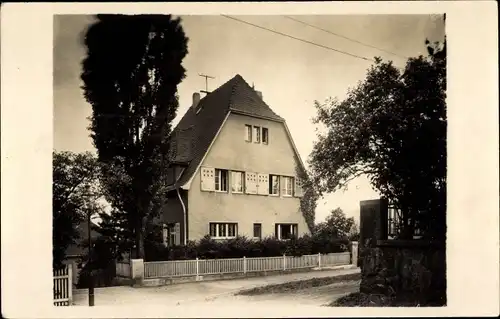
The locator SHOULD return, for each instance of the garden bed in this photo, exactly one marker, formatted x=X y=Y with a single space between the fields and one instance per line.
x=358 y=299
x=299 y=285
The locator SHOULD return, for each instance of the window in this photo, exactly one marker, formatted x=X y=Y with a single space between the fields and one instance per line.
x=256 y=131
x=248 y=133
x=287 y=186
x=223 y=230
x=171 y=234
x=257 y=231
x=237 y=181
x=286 y=231
x=274 y=185
x=265 y=136
x=220 y=180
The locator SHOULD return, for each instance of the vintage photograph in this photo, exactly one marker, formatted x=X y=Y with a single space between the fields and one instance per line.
x=251 y=160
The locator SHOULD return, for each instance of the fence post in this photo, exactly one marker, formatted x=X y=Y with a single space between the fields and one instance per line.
x=319 y=260
x=197 y=267
x=70 y=284
x=284 y=262
x=244 y=265
x=354 y=253
x=137 y=273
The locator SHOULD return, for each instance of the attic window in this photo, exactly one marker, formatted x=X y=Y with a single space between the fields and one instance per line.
x=256 y=130
x=248 y=133
x=265 y=136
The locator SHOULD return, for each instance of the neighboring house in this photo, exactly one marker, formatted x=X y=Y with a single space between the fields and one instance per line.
x=234 y=170
x=75 y=253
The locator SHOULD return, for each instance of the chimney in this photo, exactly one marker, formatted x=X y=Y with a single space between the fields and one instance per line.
x=196 y=100
x=259 y=93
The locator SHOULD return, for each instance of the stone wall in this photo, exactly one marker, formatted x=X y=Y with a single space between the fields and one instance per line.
x=402 y=268
x=408 y=269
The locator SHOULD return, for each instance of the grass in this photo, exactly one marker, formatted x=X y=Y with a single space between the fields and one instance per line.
x=358 y=299
x=298 y=285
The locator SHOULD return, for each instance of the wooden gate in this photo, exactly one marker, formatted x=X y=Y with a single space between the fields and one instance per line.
x=63 y=286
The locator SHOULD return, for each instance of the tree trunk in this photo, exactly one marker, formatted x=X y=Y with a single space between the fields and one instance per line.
x=139 y=242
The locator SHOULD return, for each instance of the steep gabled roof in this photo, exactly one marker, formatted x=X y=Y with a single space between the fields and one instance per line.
x=196 y=130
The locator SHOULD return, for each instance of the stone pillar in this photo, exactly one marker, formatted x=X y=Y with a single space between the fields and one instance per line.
x=137 y=270
x=354 y=253
x=373 y=221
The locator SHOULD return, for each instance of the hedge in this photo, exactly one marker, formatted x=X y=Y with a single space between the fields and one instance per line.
x=240 y=247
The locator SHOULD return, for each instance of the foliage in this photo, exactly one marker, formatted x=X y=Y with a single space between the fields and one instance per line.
x=309 y=199
x=116 y=231
x=336 y=225
x=354 y=233
x=299 y=285
x=240 y=247
x=75 y=194
x=130 y=76
x=391 y=127
x=358 y=299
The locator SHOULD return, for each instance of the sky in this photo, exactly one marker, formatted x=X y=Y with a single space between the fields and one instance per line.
x=290 y=74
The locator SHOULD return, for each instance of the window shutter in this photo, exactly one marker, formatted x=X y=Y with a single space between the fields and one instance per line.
x=177 y=233
x=251 y=183
x=263 y=182
x=276 y=231
x=207 y=179
x=299 y=192
x=165 y=235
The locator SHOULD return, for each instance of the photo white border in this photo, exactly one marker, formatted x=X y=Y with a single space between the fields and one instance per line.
x=27 y=139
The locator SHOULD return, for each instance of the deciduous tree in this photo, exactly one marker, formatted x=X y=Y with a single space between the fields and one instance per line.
x=75 y=195
x=336 y=226
x=392 y=128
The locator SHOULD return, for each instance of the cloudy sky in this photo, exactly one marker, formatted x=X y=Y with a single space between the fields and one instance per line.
x=291 y=74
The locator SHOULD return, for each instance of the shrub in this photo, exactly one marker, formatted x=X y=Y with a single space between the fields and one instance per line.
x=208 y=248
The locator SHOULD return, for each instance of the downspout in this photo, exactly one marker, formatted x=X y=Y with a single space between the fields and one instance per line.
x=184 y=214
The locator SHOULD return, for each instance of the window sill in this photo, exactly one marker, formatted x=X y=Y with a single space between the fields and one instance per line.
x=274 y=195
x=222 y=238
x=224 y=192
x=237 y=193
x=287 y=196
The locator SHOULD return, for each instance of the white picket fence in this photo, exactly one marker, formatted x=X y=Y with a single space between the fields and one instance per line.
x=199 y=267
x=63 y=286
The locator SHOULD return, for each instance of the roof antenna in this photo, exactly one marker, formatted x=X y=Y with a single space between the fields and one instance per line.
x=206 y=82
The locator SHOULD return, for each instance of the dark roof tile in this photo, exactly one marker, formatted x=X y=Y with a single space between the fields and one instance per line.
x=197 y=128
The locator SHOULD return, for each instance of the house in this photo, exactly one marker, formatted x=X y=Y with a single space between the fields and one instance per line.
x=75 y=253
x=234 y=170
